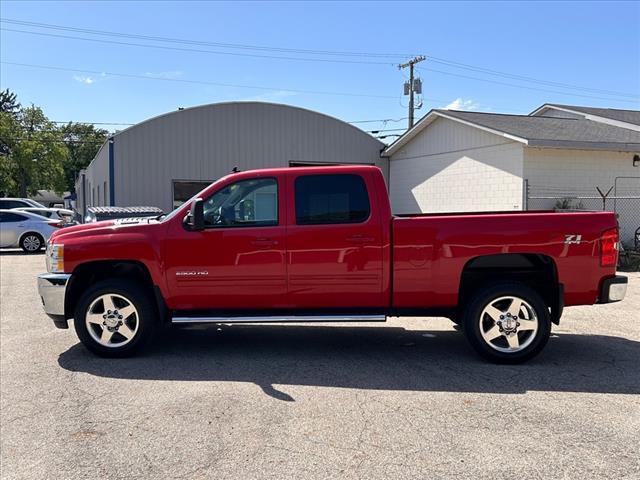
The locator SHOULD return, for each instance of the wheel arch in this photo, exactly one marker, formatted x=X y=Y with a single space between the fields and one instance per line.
x=31 y=232
x=88 y=273
x=537 y=271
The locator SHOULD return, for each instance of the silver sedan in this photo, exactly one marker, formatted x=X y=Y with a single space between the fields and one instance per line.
x=25 y=230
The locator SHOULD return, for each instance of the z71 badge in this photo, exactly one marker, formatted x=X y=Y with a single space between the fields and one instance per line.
x=569 y=239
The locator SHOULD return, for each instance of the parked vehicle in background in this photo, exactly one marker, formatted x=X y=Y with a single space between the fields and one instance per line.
x=320 y=244
x=52 y=213
x=98 y=214
x=9 y=203
x=26 y=230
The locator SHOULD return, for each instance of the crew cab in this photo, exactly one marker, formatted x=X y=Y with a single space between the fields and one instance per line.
x=320 y=244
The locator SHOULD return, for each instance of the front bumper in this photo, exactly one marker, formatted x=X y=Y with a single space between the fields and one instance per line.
x=613 y=289
x=52 y=288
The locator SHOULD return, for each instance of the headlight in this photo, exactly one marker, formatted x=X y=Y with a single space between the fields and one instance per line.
x=55 y=258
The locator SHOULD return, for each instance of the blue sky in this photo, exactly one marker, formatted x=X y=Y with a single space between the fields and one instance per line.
x=592 y=46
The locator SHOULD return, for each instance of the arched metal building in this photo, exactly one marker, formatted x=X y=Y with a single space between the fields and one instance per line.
x=165 y=160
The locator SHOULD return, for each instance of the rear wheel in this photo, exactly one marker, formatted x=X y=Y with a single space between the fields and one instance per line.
x=507 y=323
x=115 y=318
x=31 y=242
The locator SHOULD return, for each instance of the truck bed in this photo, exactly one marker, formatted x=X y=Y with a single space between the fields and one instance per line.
x=430 y=251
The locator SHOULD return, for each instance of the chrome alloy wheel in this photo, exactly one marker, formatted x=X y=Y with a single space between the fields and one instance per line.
x=31 y=243
x=112 y=320
x=508 y=324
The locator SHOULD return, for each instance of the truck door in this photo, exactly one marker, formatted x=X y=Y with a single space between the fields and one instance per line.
x=238 y=261
x=334 y=242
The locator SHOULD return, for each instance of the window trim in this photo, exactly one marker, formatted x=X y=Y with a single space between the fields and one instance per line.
x=347 y=222
x=277 y=224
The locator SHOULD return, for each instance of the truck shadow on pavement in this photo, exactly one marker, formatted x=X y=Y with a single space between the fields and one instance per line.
x=379 y=358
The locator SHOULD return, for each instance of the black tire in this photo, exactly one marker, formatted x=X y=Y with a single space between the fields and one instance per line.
x=146 y=317
x=27 y=245
x=492 y=293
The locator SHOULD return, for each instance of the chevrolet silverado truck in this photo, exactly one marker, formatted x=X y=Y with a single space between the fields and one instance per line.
x=320 y=244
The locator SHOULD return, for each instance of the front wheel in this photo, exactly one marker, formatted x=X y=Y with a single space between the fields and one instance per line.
x=115 y=318
x=507 y=323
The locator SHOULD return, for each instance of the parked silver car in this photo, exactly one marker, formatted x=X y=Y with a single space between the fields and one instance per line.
x=8 y=203
x=50 y=213
x=25 y=230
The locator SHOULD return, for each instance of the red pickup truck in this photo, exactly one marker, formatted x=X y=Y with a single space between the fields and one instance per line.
x=320 y=244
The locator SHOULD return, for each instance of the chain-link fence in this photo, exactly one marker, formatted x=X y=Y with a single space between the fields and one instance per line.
x=623 y=198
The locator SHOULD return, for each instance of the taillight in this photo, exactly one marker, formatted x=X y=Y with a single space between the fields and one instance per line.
x=609 y=248
x=57 y=224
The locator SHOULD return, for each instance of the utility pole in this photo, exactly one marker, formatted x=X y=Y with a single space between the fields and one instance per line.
x=412 y=86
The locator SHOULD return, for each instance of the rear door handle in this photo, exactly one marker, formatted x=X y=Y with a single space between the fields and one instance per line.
x=360 y=239
x=264 y=242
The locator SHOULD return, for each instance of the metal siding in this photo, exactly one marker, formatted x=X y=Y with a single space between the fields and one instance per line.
x=96 y=174
x=205 y=143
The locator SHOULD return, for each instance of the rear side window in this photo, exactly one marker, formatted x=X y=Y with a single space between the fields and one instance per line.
x=9 y=204
x=7 y=217
x=323 y=199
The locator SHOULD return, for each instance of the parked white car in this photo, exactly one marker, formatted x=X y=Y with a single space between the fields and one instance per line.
x=8 y=203
x=25 y=230
x=51 y=213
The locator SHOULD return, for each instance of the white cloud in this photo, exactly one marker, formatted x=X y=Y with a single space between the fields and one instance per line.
x=84 y=79
x=462 y=104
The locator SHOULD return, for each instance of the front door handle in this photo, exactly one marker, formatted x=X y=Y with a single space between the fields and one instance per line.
x=360 y=239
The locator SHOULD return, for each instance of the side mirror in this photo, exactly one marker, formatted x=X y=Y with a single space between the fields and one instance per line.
x=195 y=219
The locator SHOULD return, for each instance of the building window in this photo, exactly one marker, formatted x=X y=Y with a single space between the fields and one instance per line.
x=184 y=190
x=247 y=203
x=322 y=199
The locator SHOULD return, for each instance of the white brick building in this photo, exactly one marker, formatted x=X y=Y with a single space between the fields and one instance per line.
x=453 y=161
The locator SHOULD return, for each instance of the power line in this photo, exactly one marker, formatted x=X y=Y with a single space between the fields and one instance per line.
x=384 y=119
x=197 y=50
x=318 y=60
x=204 y=43
x=198 y=82
x=527 y=87
x=433 y=59
x=91 y=123
x=53 y=140
x=527 y=78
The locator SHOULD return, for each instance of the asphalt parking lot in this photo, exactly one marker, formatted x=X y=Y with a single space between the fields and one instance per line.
x=406 y=399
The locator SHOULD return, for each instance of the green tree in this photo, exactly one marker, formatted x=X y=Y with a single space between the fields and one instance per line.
x=83 y=142
x=33 y=153
x=9 y=102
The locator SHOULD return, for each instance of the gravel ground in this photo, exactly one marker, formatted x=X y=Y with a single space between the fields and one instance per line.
x=406 y=399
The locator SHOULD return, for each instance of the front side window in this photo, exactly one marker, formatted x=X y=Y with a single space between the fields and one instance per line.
x=323 y=199
x=247 y=203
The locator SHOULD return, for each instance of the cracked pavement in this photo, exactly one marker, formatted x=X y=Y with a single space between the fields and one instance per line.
x=405 y=399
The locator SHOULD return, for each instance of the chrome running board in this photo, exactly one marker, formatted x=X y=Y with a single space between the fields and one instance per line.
x=282 y=319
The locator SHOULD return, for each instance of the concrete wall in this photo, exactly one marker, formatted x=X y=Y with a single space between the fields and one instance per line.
x=205 y=143
x=451 y=167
